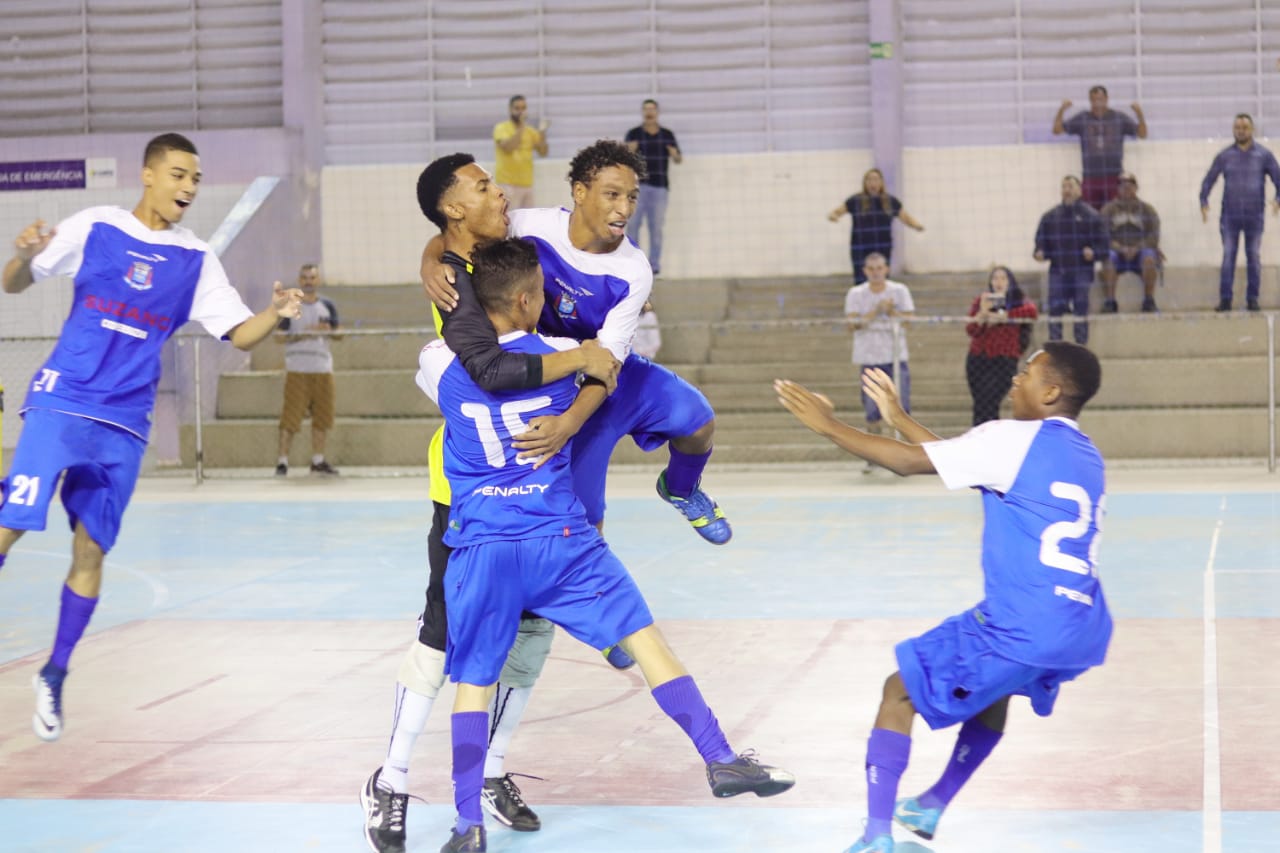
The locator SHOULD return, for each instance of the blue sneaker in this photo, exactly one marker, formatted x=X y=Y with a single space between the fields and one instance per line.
x=909 y=814
x=46 y=722
x=879 y=844
x=617 y=658
x=706 y=517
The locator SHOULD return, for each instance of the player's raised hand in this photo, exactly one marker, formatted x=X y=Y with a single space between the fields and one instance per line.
x=33 y=239
x=814 y=410
x=544 y=438
x=879 y=386
x=287 y=301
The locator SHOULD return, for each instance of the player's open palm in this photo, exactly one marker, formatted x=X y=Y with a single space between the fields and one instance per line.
x=33 y=240
x=879 y=386
x=544 y=438
x=287 y=301
x=814 y=410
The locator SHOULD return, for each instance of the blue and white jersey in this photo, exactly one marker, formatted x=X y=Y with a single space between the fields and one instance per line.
x=134 y=288
x=495 y=496
x=1043 y=494
x=588 y=295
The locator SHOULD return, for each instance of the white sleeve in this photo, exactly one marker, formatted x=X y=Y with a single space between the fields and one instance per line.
x=907 y=304
x=216 y=305
x=433 y=361
x=619 y=327
x=519 y=221
x=989 y=455
x=561 y=344
x=66 y=250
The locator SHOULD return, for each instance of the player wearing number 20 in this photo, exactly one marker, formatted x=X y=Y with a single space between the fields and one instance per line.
x=1043 y=620
x=139 y=275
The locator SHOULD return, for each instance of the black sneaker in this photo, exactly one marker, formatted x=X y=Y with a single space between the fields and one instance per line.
x=1253 y=305
x=1149 y=305
x=746 y=775
x=501 y=798
x=384 y=814
x=323 y=467
x=1223 y=305
x=1109 y=306
x=471 y=841
x=282 y=470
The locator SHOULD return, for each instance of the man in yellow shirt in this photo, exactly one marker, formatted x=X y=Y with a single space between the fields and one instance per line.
x=513 y=145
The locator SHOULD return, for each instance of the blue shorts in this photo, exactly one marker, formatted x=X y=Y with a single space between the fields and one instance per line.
x=101 y=462
x=574 y=581
x=1135 y=265
x=652 y=405
x=952 y=674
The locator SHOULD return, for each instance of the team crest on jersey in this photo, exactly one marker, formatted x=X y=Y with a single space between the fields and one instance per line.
x=139 y=276
x=566 y=306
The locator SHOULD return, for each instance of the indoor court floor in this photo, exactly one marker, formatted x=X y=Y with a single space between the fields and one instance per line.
x=234 y=690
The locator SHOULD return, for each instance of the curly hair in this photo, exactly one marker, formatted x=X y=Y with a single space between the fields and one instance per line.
x=588 y=162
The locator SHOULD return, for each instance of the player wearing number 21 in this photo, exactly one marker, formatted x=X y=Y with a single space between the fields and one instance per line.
x=139 y=276
x=1043 y=619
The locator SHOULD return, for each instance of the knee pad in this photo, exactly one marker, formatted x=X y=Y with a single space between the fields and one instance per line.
x=528 y=654
x=422 y=670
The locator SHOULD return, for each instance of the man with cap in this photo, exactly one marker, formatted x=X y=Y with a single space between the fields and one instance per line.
x=1134 y=227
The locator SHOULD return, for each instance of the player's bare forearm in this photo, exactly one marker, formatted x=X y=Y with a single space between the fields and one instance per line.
x=558 y=365
x=256 y=329
x=591 y=396
x=17 y=275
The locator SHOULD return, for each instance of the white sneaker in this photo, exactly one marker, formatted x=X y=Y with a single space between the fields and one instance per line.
x=46 y=722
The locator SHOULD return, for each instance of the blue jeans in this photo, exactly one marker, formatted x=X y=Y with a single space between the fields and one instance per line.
x=1069 y=288
x=652 y=206
x=1232 y=226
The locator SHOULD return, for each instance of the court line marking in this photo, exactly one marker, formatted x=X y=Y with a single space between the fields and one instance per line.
x=1212 y=806
x=159 y=589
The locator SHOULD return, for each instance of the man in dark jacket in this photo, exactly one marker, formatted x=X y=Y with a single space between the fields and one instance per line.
x=1071 y=237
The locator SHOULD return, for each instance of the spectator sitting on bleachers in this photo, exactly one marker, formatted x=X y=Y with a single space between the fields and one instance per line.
x=1071 y=237
x=1134 y=227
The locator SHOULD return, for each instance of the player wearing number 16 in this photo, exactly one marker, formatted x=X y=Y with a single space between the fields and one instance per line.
x=1043 y=619
x=139 y=276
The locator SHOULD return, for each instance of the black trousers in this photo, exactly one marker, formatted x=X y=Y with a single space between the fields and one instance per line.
x=989 y=381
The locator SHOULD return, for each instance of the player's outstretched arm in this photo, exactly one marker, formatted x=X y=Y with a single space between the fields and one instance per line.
x=284 y=304
x=29 y=243
x=817 y=413
x=879 y=386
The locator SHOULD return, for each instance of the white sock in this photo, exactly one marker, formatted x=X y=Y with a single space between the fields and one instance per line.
x=283 y=460
x=412 y=711
x=504 y=715
x=317 y=458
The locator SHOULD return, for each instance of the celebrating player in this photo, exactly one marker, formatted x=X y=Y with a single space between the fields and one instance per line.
x=139 y=276
x=1043 y=620
x=524 y=541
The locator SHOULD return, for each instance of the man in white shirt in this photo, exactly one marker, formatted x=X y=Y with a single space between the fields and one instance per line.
x=876 y=312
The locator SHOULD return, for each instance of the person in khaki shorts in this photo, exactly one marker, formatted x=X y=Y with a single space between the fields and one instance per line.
x=308 y=378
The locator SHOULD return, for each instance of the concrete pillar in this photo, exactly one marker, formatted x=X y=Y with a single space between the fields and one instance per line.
x=887 y=103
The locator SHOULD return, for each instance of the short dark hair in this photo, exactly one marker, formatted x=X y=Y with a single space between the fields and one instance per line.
x=648 y=101
x=1078 y=371
x=602 y=154
x=1102 y=89
x=512 y=100
x=499 y=268
x=435 y=181
x=163 y=144
x=1245 y=116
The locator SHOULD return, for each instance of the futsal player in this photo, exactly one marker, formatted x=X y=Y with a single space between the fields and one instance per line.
x=469 y=208
x=523 y=541
x=139 y=276
x=1043 y=620
x=596 y=283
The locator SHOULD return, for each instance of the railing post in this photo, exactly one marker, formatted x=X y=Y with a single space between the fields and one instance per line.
x=195 y=357
x=1271 y=393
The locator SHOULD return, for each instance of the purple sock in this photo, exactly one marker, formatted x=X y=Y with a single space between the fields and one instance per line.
x=887 y=756
x=470 y=736
x=684 y=472
x=681 y=700
x=2 y=556
x=73 y=618
x=973 y=745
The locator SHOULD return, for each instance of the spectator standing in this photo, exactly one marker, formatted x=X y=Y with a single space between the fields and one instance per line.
x=875 y=311
x=1102 y=131
x=996 y=342
x=308 y=378
x=1245 y=166
x=1071 y=236
x=873 y=211
x=658 y=146
x=1134 y=227
x=648 y=335
x=514 y=143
